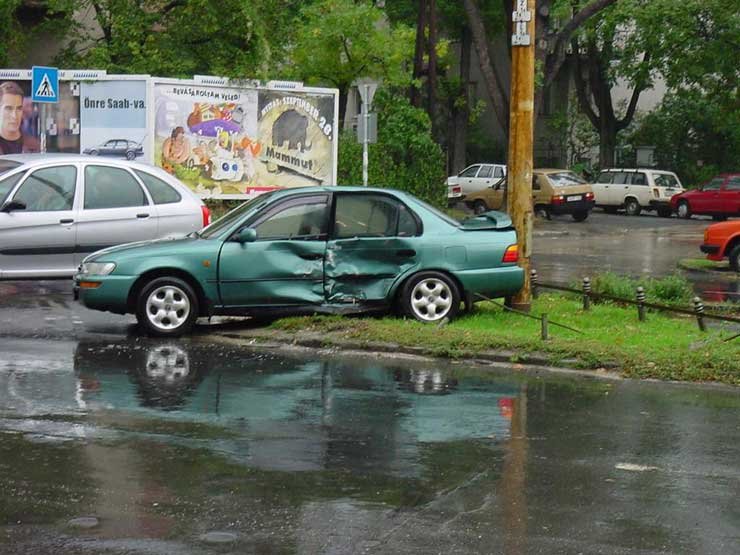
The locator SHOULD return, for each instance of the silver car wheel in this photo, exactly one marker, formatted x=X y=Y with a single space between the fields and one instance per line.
x=167 y=307
x=431 y=299
x=683 y=210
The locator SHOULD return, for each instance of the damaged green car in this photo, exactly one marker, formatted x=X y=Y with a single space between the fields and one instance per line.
x=311 y=249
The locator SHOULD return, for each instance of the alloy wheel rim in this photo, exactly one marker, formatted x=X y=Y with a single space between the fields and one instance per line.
x=431 y=299
x=167 y=307
x=682 y=210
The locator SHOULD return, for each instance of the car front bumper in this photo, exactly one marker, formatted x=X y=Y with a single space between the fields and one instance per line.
x=106 y=293
x=712 y=251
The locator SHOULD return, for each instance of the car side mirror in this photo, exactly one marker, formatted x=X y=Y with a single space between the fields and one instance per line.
x=247 y=235
x=12 y=205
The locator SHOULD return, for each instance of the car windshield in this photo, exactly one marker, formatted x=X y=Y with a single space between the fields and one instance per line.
x=228 y=219
x=563 y=179
x=7 y=165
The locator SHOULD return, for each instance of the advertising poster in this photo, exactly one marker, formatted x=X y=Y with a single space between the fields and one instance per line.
x=296 y=133
x=207 y=137
x=113 y=116
x=20 y=119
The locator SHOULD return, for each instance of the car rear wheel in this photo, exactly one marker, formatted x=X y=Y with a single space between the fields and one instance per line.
x=632 y=207
x=430 y=297
x=542 y=212
x=580 y=216
x=683 y=210
x=665 y=212
x=480 y=206
x=734 y=258
x=130 y=155
x=167 y=307
x=93 y=152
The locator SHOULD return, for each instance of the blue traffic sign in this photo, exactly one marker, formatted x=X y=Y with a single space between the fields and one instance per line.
x=44 y=84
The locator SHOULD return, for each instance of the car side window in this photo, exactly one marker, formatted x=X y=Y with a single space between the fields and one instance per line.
x=485 y=171
x=470 y=172
x=639 y=178
x=408 y=225
x=714 y=185
x=361 y=215
x=107 y=187
x=605 y=177
x=498 y=171
x=49 y=189
x=161 y=192
x=297 y=219
x=733 y=184
x=621 y=178
x=8 y=183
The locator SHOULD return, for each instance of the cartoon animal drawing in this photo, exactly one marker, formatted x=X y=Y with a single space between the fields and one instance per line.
x=290 y=126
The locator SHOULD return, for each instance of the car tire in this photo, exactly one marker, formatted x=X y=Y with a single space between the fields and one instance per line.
x=632 y=207
x=93 y=152
x=683 y=210
x=580 y=216
x=167 y=307
x=480 y=206
x=430 y=297
x=665 y=212
x=130 y=155
x=734 y=258
x=542 y=211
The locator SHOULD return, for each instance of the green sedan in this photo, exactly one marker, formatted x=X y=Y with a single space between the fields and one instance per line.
x=311 y=249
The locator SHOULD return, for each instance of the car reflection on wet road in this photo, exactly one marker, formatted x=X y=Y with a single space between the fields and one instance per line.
x=172 y=446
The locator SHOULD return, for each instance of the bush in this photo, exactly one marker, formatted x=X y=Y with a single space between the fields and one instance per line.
x=405 y=156
x=672 y=289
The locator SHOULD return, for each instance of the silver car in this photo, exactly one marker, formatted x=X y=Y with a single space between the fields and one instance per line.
x=55 y=209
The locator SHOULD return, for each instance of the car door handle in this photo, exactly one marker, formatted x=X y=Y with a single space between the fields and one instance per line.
x=66 y=221
x=311 y=256
x=406 y=252
x=142 y=216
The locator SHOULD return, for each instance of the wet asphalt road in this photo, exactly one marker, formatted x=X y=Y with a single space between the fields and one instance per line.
x=111 y=442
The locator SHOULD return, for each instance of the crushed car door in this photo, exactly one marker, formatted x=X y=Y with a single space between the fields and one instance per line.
x=284 y=266
x=374 y=239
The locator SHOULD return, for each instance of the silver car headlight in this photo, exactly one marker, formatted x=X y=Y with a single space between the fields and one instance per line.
x=97 y=268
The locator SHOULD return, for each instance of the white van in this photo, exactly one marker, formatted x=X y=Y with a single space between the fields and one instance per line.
x=474 y=178
x=636 y=190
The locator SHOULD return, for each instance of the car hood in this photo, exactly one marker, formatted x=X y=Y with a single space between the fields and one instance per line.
x=724 y=228
x=155 y=246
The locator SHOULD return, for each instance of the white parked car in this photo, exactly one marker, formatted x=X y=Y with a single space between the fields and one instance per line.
x=55 y=209
x=636 y=190
x=474 y=178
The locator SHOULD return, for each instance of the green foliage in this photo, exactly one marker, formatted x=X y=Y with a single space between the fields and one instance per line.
x=9 y=34
x=405 y=156
x=672 y=289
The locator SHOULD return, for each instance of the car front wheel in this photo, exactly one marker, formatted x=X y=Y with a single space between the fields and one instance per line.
x=734 y=258
x=430 y=297
x=683 y=210
x=167 y=307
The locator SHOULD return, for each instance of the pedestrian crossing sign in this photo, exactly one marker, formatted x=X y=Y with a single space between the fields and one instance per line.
x=44 y=84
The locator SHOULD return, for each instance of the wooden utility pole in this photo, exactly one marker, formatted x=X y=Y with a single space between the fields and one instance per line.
x=521 y=132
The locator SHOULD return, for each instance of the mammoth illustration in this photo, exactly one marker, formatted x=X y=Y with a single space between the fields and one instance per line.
x=290 y=126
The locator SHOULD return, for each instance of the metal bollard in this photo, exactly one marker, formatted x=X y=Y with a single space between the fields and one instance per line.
x=640 y=305
x=699 y=311
x=545 y=335
x=586 y=293
x=533 y=283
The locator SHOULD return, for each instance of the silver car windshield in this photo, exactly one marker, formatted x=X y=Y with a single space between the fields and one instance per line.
x=229 y=218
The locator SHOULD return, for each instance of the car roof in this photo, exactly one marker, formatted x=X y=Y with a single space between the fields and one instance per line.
x=37 y=159
x=552 y=170
x=636 y=170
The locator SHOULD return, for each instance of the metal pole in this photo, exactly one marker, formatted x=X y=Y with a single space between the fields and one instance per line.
x=521 y=129
x=544 y=330
x=640 y=305
x=365 y=118
x=586 y=293
x=42 y=128
x=699 y=310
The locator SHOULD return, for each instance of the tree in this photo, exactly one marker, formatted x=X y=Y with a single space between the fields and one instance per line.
x=339 y=41
x=9 y=30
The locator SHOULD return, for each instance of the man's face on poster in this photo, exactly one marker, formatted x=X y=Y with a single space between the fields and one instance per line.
x=11 y=112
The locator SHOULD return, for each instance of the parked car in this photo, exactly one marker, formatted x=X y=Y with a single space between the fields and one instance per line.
x=122 y=148
x=309 y=249
x=474 y=178
x=719 y=198
x=553 y=192
x=723 y=241
x=57 y=209
x=636 y=190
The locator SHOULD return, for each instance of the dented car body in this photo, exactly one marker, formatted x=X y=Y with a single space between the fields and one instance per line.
x=313 y=249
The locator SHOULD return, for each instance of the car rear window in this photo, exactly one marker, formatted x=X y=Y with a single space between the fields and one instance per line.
x=666 y=180
x=161 y=192
x=562 y=179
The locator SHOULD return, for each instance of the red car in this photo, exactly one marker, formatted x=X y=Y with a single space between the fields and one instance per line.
x=723 y=241
x=719 y=198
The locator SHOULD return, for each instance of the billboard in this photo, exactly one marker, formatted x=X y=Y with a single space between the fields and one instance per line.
x=21 y=118
x=114 y=118
x=238 y=141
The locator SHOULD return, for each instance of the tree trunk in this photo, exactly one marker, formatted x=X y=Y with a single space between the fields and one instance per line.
x=343 y=94
x=461 y=109
x=607 y=144
x=421 y=23
x=432 y=68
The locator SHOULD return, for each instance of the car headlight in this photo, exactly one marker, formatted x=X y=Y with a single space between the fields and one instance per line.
x=97 y=268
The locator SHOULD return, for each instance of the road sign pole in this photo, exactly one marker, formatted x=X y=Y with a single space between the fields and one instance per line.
x=521 y=139
x=365 y=121
x=42 y=128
